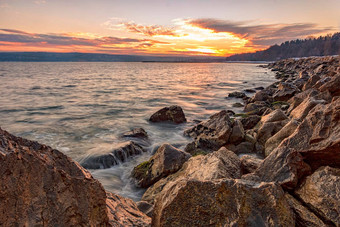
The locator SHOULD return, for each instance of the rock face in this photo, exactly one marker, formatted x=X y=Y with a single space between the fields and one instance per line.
x=117 y=156
x=219 y=164
x=165 y=161
x=226 y=202
x=124 y=212
x=320 y=192
x=173 y=114
x=40 y=186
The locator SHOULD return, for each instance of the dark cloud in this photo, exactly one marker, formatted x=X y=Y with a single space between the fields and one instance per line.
x=267 y=34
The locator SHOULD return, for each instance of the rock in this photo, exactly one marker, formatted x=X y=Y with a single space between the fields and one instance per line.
x=173 y=114
x=237 y=133
x=284 y=166
x=40 y=186
x=274 y=141
x=303 y=217
x=249 y=163
x=250 y=90
x=311 y=82
x=297 y=99
x=217 y=165
x=124 y=212
x=242 y=148
x=145 y=207
x=332 y=86
x=165 y=161
x=285 y=91
x=301 y=111
x=136 y=133
x=237 y=94
x=256 y=108
x=270 y=124
x=226 y=202
x=259 y=88
x=263 y=95
x=118 y=155
x=250 y=122
x=238 y=104
x=210 y=135
x=320 y=192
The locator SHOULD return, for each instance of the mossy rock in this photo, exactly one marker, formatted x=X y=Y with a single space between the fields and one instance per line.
x=141 y=170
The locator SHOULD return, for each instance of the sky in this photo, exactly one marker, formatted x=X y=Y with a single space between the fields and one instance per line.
x=161 y=27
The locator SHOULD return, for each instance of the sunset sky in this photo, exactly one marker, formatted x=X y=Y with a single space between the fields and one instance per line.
x=161 y=27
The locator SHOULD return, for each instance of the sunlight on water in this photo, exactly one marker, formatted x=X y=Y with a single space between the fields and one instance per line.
x=83 y=108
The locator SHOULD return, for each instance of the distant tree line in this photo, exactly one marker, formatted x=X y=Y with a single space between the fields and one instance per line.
x=320 y=46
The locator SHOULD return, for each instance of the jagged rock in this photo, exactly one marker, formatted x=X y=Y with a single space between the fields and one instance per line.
x=124 y=212
x=137 y=133
x=256 y=108
x=217 y=165
x=237 y=94
x=332 y=86
x=40 y=186
x=115 y=157
x=249 y=163
x=297 y=99
x=301 y=111
x=285 y=91
x=303 y=217
x=271 y=124
x=320 y=192
x=226 y=202
x=263 y=95
x=278 y=137
x=173 y=114
x=237 y=133
x=210 y=135
x=311 y=82
x=165 y=161
x=250 y=122
x=284 y=166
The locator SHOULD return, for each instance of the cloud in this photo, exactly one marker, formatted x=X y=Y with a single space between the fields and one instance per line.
x=40 y=2
x=261 y=34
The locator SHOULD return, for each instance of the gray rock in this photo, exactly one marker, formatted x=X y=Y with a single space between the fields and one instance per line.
x=173 y=114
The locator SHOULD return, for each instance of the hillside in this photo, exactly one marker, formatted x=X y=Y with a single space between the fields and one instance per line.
x=321 y=46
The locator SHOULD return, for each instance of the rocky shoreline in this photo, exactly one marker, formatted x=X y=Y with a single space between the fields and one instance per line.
x=276 y=164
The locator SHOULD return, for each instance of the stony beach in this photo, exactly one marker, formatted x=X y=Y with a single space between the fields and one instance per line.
x=275 y=164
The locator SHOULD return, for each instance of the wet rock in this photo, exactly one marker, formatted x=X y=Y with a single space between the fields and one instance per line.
x=238 y=104
x=250 y=90
x=274 y=141
x=263 y=95
x=250 y=122
x=145 y=207
x=249 y=163
x=259 y=88
x=120 y=154
x=173 y=114
x=124 y=212
x=256 y=108
x=226 y=202
x=165 y=161
x=303 y=217
x=285 y=91
x=210 y=135
x=219 y=164
x=136 y=133
x=237 y=94
x=320 y=192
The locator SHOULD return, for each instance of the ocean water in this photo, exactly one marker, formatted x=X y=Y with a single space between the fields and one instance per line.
x=83 y=108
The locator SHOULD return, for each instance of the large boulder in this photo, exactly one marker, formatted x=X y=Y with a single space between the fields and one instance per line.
x=301 y=111
x=217 y=165
x=173 y=114
x=320 y=192
x=226 y=202
x=40 y=186
x=165 y=161
x=120 y=154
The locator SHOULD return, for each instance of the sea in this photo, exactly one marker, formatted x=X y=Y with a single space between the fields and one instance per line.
x=83 y=108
